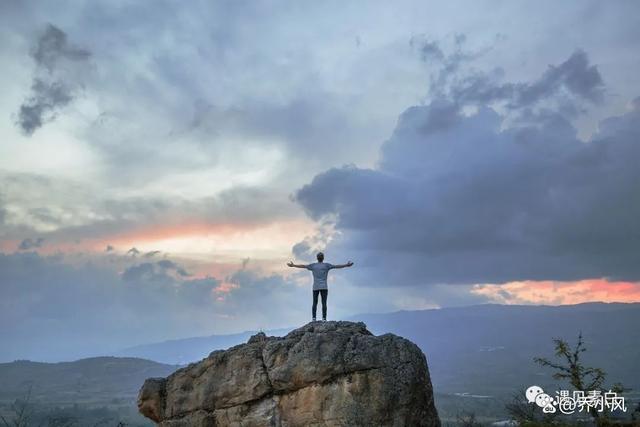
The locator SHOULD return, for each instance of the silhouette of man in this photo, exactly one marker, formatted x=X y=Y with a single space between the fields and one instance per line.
x=320 y=271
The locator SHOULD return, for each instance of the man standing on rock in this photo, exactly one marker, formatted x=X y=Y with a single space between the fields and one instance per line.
x=320 y=271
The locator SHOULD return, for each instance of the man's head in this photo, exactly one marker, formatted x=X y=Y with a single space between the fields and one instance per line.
x=320 y=257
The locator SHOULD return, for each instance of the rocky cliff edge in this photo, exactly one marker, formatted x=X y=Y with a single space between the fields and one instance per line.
x=321 y=374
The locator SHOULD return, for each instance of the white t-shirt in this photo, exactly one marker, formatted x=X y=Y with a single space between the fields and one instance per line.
x=320 y=271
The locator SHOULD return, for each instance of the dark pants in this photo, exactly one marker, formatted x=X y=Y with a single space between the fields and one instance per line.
x=323 y=293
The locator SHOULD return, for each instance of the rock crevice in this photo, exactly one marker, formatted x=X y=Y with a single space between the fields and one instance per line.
x=322 y=374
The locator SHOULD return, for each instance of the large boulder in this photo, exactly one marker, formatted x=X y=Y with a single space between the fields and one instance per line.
x=322 y=374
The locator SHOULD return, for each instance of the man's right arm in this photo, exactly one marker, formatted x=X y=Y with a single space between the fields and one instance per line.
x=291 y=264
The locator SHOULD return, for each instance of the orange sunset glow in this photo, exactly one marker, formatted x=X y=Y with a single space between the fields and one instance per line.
x=192 y=240
x=557 y=293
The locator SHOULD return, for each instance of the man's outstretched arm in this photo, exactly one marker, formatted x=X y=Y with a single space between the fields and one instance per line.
x=349 y=264
x=291 y=264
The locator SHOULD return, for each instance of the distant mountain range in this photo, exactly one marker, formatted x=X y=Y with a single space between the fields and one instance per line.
x=482 y=349
x=97 y=380
x=187 y=350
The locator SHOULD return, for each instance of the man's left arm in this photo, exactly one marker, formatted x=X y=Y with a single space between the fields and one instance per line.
x=349 y=264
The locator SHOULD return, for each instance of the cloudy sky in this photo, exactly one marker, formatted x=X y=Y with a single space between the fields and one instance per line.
x=160 y=162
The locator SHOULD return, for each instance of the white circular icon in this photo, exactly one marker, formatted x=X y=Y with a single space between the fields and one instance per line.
x=532 y=392
x=543 y=400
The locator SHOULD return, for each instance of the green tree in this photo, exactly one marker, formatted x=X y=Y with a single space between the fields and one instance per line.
x=572 y=369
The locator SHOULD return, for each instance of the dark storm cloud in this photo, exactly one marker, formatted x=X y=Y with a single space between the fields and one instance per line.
x=576 y=76
x=573 y=81
x=459 y=199
x=168 y=265
x=158 y=272
x=133 y=252
x=53 y=46
x=55 y=82
x=29 y=243
x=143 y=271
x=45 y=99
